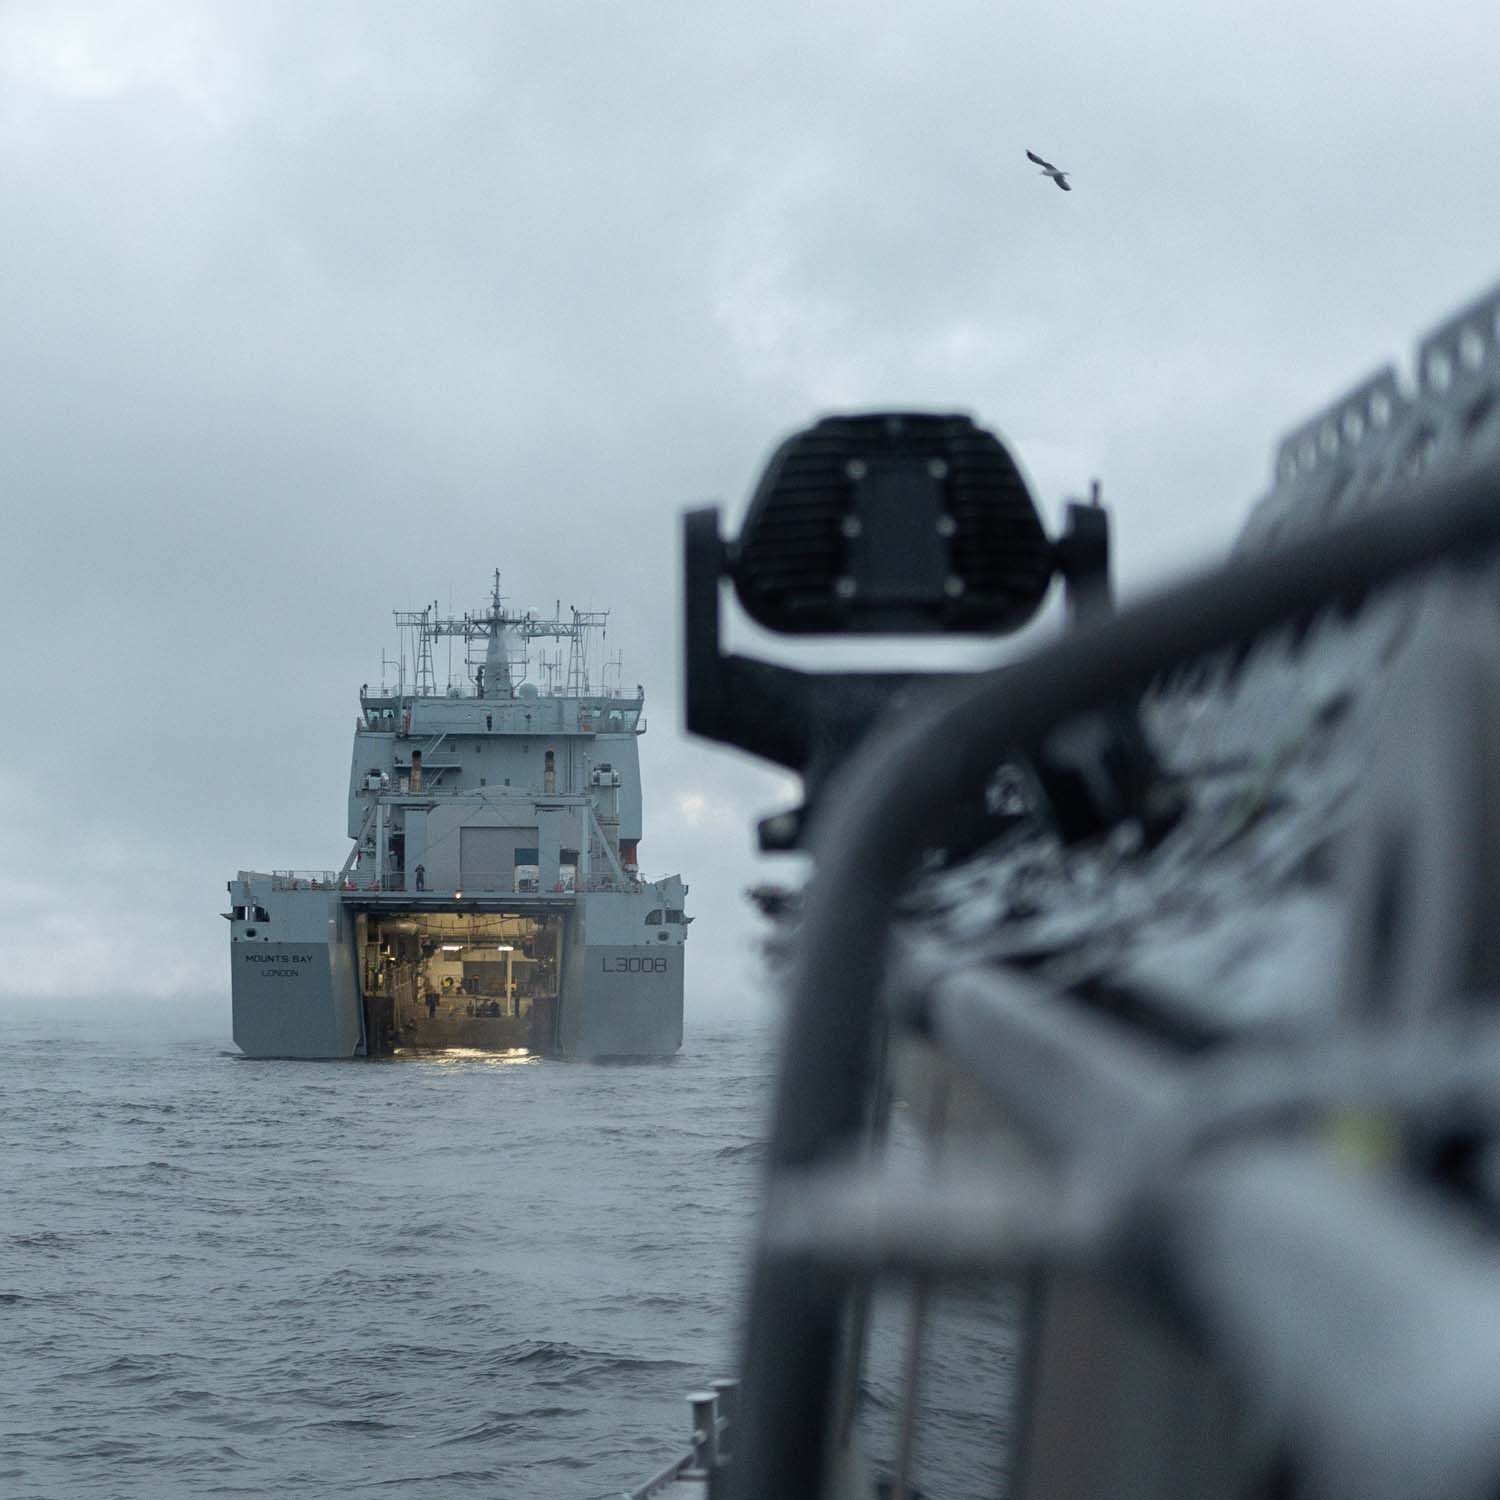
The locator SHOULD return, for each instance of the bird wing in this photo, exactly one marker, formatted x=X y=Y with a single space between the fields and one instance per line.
x=1032 y=156
x=1062 y=182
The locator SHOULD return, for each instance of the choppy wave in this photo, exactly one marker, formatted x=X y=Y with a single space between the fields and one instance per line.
x=434 y=1278
x=227 y=1280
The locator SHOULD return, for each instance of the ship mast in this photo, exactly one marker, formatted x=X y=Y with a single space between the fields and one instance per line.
x=496 y=642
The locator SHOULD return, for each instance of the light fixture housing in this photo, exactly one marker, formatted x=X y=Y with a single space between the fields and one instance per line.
x=892 y=523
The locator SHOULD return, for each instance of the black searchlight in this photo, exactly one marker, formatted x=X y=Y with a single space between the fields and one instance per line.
x=891 y=523
x=897 y=523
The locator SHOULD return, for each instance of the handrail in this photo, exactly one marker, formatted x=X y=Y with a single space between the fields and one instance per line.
x=303 y=880
x=714 y=1423
x=477 y=884
x=889 y=803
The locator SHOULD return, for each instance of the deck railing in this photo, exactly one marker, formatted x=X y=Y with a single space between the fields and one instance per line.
x=475 y=884
x=1293 y=1208
x=304 y=880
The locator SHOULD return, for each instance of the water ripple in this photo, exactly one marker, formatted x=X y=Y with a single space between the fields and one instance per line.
x=232 y=1280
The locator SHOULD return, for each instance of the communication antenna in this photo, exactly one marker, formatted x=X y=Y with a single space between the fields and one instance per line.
x=425 y=680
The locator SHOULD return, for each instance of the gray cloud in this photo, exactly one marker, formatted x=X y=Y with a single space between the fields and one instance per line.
x=313 y=312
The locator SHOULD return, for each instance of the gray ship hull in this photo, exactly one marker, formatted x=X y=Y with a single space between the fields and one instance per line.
x=297 y=1000
x=621 y=1002
x=293 y=980
x=306 y=979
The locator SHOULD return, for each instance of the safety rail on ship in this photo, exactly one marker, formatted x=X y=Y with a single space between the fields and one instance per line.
x=482 y=884
x=1201 y=1041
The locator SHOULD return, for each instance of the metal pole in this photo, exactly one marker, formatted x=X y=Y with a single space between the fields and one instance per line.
x=728 y=1394
x=705 y=1430
x=921 y=1296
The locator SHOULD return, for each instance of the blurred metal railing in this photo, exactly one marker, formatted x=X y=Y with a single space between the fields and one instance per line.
x=1351 y=1303
x=714 y=1413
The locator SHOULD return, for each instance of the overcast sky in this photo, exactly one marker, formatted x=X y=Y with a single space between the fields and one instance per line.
x=309 y=312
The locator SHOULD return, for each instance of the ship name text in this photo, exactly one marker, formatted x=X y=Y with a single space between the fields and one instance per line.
x=281 y=960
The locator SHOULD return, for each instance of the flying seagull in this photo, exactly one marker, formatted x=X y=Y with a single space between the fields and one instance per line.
x=1048 y=170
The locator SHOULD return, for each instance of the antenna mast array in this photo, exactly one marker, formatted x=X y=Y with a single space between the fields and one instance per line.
x=476 y=630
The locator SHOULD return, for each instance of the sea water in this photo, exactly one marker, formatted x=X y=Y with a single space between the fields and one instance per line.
x=428 y=1278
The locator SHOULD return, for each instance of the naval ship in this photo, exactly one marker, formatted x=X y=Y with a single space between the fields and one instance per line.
x=491 y=898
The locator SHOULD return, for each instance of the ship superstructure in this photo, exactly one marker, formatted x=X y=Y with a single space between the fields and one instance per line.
x=491 y=897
